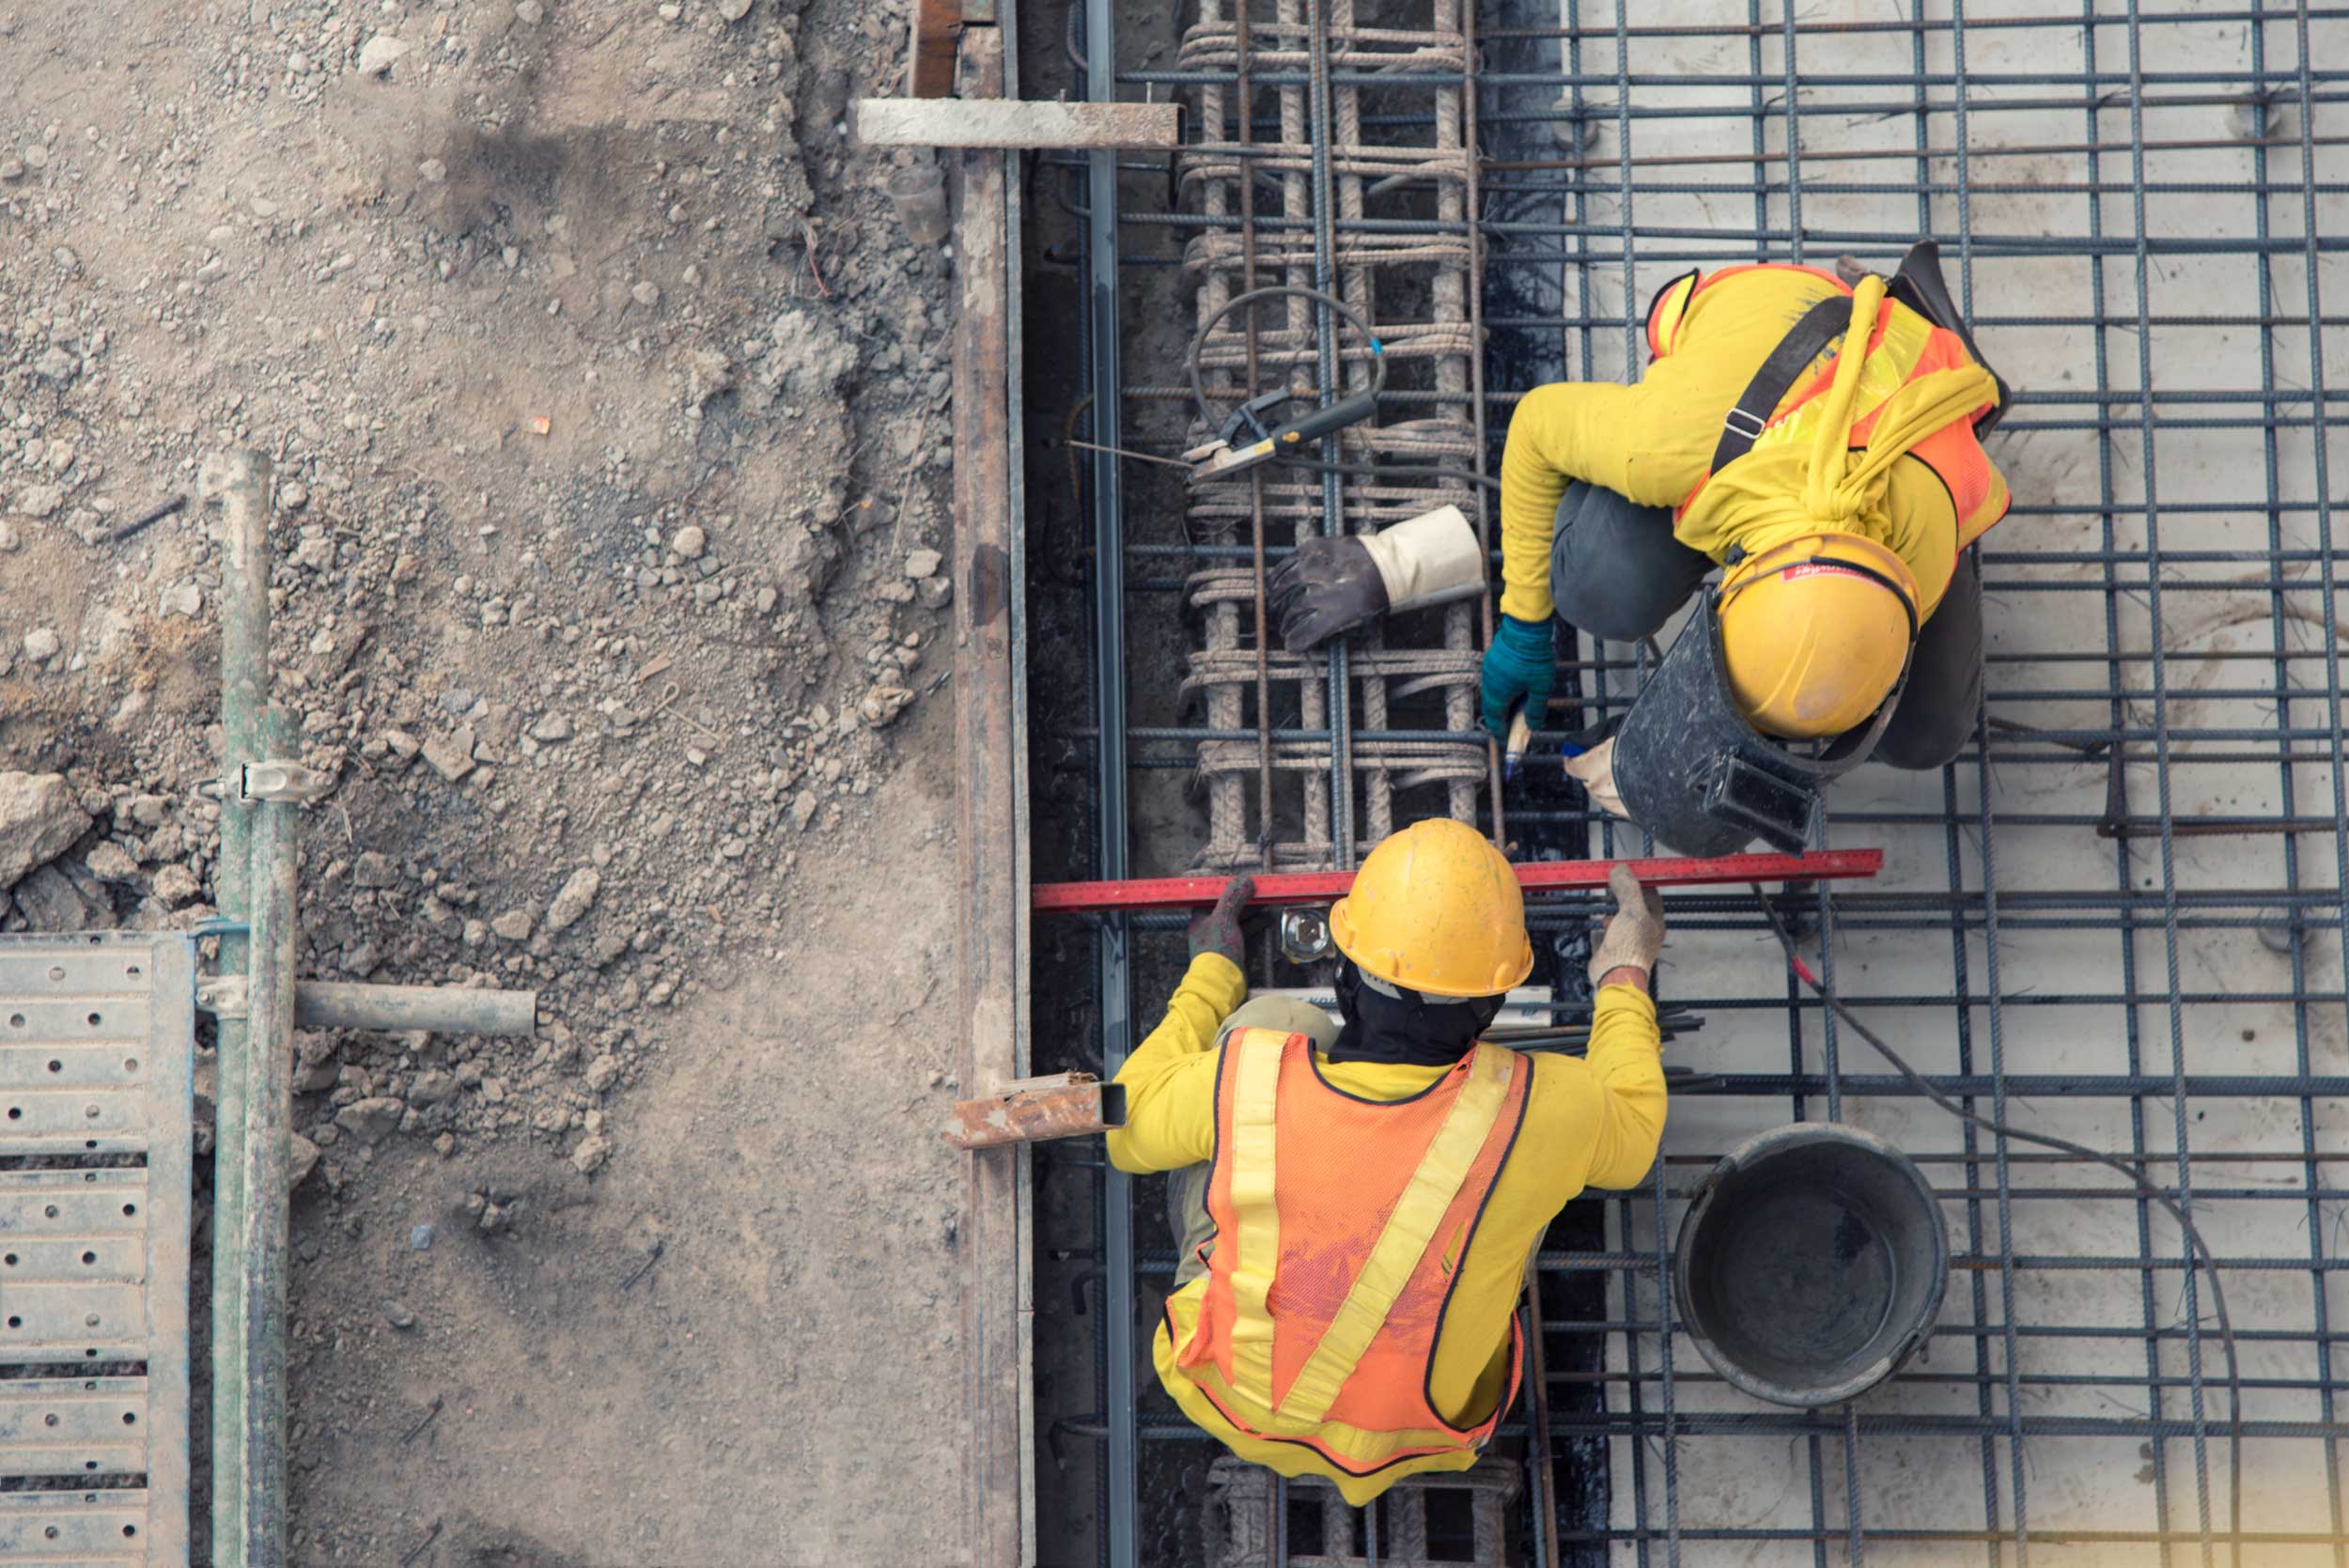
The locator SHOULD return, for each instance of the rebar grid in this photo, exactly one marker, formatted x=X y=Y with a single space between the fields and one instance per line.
x=2117 y=916
x=1292 y=199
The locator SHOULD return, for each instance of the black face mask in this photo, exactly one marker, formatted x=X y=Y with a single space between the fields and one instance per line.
x=1432 y=1033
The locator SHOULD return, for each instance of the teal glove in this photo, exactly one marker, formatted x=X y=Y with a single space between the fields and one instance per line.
x=1519 y=668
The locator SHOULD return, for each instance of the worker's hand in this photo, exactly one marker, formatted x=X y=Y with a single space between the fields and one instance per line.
x=1519 y=668
x=1595 y=770
x=1334 y=585
x=1329 y=586
x=1634 y=933
x=1218 y=929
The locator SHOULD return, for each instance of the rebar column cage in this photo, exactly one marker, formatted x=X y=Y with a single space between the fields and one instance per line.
x=2118 y=916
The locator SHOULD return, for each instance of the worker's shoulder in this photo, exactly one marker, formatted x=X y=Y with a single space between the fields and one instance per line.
x=1560 y=1091
x=1763 y=294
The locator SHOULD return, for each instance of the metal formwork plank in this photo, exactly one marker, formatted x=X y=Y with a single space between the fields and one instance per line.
x=73 y=1426
x=97 y=1044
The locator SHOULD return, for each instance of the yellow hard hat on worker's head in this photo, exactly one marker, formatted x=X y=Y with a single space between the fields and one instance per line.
x=1437 y=909
x=1816 y=632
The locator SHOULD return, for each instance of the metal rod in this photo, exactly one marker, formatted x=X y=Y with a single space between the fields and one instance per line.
x=441 y=1009
x=238 y=484
x=1120 y=1471
x=1317 y=886
x=265 y=1158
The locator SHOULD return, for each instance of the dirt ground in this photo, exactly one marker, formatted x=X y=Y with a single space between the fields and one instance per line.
x=609 y=410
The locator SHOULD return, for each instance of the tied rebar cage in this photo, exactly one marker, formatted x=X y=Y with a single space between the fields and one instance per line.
x=2117 y=917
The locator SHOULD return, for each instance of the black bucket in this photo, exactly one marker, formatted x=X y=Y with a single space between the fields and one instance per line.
x=1812 y=1265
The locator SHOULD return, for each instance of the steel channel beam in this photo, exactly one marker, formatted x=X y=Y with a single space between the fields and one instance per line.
x=1120 y=1460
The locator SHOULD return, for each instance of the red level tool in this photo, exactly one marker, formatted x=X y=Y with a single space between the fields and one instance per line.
x=1323 y=887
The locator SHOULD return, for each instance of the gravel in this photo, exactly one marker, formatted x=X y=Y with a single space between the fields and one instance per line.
x=39 y=818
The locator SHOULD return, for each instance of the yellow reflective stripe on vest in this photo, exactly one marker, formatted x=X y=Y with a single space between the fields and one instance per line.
x=1405 y=1241
x=1255 y=1094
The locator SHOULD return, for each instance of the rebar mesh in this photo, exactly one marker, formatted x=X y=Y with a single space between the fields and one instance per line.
x=2117 y=917
x=1292 y=178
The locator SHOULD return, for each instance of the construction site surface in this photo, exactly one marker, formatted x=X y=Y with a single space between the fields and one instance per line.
x=567 y=604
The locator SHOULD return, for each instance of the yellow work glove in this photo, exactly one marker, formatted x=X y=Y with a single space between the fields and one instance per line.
x=1595 y=770
x=1634 y=933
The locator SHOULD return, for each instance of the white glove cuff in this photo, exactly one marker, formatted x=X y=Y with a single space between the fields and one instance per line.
x=1431 y=559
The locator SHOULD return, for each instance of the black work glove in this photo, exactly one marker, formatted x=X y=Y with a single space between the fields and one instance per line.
x=1217 y=930
x=1329 y=586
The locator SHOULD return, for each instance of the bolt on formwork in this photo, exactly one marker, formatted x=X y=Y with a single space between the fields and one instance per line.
x=2116 y=918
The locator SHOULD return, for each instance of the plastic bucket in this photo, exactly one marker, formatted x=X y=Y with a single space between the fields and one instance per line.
x=1812 y=1265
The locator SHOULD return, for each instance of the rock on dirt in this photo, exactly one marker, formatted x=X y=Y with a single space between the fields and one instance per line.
x=379 y=54
x=451 y=755
x=39 y=819
x=306 y=1158
x=373 y=1119
x=592 y=1152
x=577 y=897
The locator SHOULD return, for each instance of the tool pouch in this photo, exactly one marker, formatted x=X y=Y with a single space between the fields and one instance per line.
x=1692 y=772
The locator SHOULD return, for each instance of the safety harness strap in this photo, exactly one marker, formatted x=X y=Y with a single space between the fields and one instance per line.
x=1821 y=324
x=1409 y=1229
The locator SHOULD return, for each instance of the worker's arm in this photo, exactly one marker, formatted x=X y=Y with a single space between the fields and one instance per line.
x=1626 y=1066
x=1170 y=1081
x=1568 y=430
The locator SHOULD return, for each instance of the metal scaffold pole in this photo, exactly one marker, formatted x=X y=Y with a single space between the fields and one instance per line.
x=257 y=1003
x=242 y=1501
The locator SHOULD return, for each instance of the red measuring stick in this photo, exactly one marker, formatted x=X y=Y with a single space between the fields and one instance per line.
x=1322 y=887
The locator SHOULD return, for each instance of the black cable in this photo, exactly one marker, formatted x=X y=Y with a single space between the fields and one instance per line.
x=1284 y=291
x=2134 y=1171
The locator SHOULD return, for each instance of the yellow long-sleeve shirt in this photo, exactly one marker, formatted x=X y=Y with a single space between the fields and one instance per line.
x=1651 y=442
x=1593 y=1122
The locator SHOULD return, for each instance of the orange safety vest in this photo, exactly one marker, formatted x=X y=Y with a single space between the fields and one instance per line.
x=1340 y=1227
x=1904 y=346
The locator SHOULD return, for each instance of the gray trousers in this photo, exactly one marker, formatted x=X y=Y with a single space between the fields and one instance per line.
x=1616 y=572
x=1187 y=1188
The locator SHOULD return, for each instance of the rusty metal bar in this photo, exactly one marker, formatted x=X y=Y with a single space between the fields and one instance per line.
x=1034 y=1109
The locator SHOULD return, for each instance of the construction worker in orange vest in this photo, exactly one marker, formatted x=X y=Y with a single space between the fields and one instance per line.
x=1357 y=1205
x=1817 y=436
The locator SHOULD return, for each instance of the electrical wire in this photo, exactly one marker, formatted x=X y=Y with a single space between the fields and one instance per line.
x=1284 y=291
x=2134 y=1171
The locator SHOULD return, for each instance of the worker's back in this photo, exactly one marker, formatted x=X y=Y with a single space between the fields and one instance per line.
x=1341 y=1161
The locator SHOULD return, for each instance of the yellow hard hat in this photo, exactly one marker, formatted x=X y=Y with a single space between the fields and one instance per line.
x=1815 y=632
x=1437 y=909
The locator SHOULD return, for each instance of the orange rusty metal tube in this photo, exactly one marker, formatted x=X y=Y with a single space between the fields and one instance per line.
x=1034 y=1109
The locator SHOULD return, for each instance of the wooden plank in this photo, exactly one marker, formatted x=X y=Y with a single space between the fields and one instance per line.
x=991 y=958
x=937 y=33
x=997 y=123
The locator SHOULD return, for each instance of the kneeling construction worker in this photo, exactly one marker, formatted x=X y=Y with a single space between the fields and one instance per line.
x=1357 y=1205
x=1817 y=436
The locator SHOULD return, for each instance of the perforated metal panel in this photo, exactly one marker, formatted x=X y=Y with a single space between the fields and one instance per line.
x=97 y=1041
